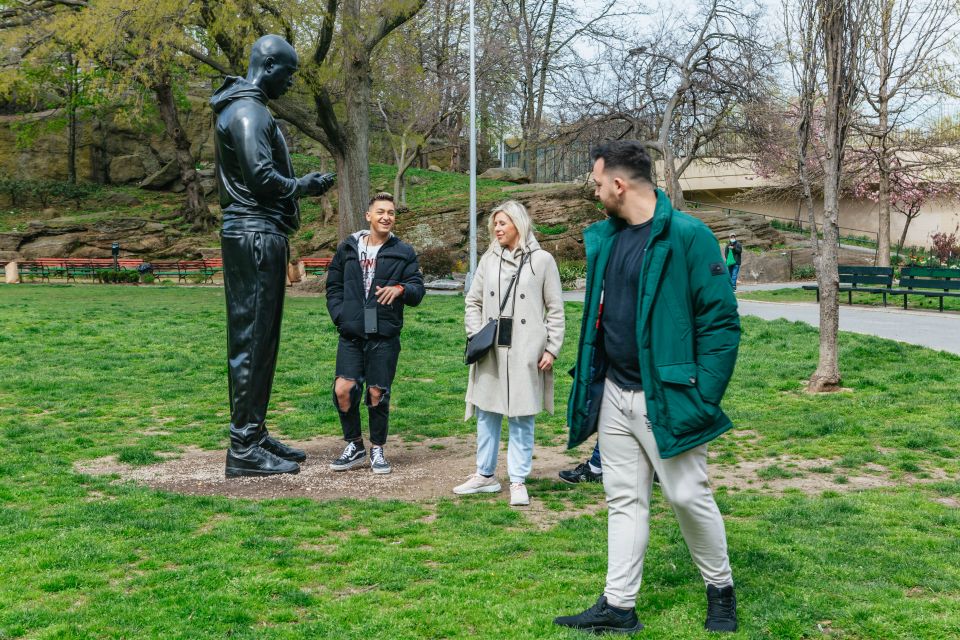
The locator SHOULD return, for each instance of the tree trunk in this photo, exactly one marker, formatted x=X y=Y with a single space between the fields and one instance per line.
x=404 y=162
x=827 y=375
x=353 y=169
x=195 y=210
x=671 y=180
x=903 y=236
x=803 y=148
x=883 y=230
x=72 y=121
x=834 y=16
x=883 y=223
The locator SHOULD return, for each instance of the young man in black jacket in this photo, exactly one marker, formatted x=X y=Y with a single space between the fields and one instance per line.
x=370 y=280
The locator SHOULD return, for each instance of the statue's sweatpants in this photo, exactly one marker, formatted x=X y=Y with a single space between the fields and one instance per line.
x=254 y=278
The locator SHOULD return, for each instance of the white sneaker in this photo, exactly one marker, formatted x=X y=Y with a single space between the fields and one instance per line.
x=477 y=484
x=518 y=495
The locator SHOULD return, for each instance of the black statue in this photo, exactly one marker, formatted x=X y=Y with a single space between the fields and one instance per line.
x=259 y=196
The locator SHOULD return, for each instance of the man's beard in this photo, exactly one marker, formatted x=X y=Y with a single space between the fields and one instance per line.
x=612 y=210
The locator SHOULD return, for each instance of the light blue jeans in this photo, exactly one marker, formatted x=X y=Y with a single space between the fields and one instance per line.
x=519 y=446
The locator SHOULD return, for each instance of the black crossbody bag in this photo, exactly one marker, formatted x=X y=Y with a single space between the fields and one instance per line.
x=480 y=343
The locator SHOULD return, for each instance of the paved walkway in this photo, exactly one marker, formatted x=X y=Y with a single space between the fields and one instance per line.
x=925 y=328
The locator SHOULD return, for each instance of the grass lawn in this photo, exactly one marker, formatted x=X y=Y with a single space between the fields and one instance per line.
x=869 y=299
x=139 y=372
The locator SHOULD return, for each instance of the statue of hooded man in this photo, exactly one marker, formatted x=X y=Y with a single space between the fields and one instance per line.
x=259 y=197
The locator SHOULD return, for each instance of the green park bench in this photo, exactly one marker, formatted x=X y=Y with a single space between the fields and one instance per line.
x=864 y=279
x=316 y=266
x=930 y=282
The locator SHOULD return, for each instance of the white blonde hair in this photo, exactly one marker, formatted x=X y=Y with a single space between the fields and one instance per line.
x=518 y=216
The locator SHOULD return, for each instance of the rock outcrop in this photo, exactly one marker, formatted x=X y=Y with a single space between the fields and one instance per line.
x=510 y=174
x=137 y=237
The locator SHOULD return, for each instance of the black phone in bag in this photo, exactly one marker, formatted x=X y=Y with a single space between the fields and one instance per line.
x=505 y=332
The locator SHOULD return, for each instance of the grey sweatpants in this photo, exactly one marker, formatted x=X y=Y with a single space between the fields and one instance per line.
x=630 y=458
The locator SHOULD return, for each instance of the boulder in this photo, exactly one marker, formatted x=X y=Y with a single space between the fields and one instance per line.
x=12 y=273
x=770 y=266
x=121 y=199
x=509 y=174
x=313 y=285
x=125 y=169
x=10 y=241
x=434 y=167
x=753 y=230
x=163 y=178
x=52 y=246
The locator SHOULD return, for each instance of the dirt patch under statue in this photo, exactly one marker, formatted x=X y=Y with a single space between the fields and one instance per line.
x=428 y=469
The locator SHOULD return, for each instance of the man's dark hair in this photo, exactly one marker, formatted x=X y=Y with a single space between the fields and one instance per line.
x=383 y=195
x=629 y=156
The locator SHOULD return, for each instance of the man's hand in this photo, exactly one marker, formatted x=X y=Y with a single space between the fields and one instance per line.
x=317 y=184
x=386 y=295
x=546 y=361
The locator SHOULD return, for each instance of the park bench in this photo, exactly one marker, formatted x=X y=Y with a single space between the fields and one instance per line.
x=316 y=266
x=864 y=279
x=42 y=268
x=88 y=267
x=183 y=269
x=213 y=266
x=187 y=268
x=930 y=282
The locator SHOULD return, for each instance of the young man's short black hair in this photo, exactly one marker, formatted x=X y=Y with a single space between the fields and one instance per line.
x=383 y=195
x=629 y=156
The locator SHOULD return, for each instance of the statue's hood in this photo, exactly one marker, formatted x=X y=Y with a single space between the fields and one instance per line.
x=235 y=88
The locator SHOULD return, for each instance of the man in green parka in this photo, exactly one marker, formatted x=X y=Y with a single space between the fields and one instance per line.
x=657 y=348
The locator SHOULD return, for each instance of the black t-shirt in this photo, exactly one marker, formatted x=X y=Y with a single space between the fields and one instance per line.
x=620 y=290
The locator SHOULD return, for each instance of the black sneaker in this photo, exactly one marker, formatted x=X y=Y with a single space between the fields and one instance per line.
x=257 y=461
x=602 y=618
x=581 y=473
x=281 y=450
x=721 y=609
x=352 y=455
x=379 y=463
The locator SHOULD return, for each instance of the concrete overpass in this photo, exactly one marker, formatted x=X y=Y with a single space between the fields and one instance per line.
x=731 y=184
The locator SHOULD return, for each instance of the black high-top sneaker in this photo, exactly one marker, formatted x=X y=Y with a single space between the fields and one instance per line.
x=284 y=451
x=580 y=473
x=602 y=618
x=721 y=609
x=353 y=454
x=257 y=461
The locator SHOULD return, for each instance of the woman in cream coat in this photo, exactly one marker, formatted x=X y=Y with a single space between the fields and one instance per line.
x=513 y=381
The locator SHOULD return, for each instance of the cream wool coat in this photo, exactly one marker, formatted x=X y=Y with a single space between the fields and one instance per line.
x=507 y=380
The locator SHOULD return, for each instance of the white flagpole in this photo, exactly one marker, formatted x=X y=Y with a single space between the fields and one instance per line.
x=473 y=155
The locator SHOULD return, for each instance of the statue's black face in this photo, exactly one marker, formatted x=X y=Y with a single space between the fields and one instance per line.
x=278 y=76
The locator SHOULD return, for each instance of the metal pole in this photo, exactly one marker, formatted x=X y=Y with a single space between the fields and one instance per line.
x=473 y=156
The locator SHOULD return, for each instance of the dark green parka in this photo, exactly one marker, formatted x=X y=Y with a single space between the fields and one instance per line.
x=688 y=332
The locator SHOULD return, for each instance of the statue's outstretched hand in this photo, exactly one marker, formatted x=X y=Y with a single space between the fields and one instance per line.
x=317 y=184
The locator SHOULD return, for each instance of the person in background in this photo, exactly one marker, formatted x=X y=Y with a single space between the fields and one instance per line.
x=732 y=254
x=515 y=378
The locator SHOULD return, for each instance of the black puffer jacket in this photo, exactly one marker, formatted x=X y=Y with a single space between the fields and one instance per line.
x=396 y=264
